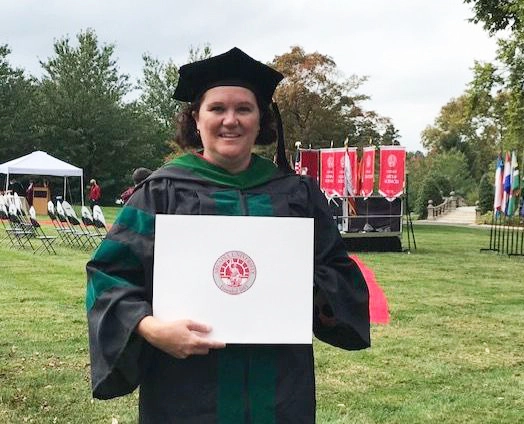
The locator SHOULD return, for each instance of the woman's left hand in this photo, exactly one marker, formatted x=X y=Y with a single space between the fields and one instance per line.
x=180 y=338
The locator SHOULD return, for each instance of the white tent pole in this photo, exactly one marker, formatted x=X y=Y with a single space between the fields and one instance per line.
x=7 y=182
x=64 y=198
x=82 y=187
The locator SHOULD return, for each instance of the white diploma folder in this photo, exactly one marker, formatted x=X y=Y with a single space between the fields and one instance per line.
x=250 y=278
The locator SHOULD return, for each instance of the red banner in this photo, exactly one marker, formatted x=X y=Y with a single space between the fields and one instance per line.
x=367 y=171
x=392 y=171
x=309 y=163
x=332 y=180
x=332 y=172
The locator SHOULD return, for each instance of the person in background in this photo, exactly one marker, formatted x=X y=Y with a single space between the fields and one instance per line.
x=183 y=376
x=139 y=175
x=29 y=193
x=94 y=193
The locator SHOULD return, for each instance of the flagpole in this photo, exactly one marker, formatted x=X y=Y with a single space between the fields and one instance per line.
x=346 y=200
x=520 y=213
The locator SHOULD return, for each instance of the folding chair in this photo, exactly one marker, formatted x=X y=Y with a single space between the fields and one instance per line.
x=99 y=220
x=19 y=230
x=4 y=218
x=77 y=239
x=63 y=232
x=46 y=240
x=86 y=238
x=24 y=220
x=6 y=224
x=88 y=221
x=8 y=199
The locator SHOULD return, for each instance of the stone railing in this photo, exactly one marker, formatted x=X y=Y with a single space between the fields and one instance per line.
x=450 y=203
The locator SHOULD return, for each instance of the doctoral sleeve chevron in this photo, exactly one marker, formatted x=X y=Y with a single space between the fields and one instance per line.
x=119 y=294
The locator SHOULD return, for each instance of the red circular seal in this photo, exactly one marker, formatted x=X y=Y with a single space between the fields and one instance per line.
x=234 y=272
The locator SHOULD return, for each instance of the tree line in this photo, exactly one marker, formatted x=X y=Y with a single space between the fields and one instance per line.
x=473 y=128
x=80 y=110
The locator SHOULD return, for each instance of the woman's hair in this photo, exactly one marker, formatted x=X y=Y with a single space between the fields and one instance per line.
x=186 y=134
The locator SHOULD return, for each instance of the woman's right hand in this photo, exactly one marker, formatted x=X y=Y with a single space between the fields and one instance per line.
x=178 y=338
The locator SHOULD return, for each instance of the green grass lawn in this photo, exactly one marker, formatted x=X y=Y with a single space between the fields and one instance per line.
x=453 y=352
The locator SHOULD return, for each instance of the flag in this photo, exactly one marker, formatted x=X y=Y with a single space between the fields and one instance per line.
x=298 y=167
x=514 y=193
x=367 y=171
x=499 y=186
x=506 y=183
x=348 y=184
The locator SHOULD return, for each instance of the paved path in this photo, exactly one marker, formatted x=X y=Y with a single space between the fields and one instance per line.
x=464 y=215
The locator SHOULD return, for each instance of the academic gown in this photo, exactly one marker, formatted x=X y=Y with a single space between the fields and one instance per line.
x=242 y=383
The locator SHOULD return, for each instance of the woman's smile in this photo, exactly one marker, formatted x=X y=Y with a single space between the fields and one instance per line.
x=228 y=122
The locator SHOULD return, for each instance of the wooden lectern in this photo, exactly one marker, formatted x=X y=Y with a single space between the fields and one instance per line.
x=41 y=196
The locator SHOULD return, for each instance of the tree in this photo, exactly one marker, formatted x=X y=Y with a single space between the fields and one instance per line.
x=391 y=135
x=85 y=120
x=511 y=55
x=498 y=15
x=157 y=87
x=18 y=105
x=472 y=123
x=455 y=166
x=416 y=168
x=486 y=194
x=433 y=187
x=319 y=106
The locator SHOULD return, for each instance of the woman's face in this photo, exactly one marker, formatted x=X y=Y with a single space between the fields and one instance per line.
x=228 y=121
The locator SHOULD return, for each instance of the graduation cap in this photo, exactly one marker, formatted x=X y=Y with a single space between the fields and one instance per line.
x=233 y=68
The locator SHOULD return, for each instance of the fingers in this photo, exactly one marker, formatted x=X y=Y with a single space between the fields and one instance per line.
x=198 y=326
x=203 y=343
x=204 y=329
x=198 y=346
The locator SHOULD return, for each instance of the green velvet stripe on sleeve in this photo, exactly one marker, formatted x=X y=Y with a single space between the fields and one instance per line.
x=136 y=220
x=112 y=251
x=98 y=283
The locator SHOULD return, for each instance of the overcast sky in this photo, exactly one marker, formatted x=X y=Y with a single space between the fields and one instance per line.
x=417 y=54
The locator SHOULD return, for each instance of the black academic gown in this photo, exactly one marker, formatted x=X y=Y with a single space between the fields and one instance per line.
x=241 y=383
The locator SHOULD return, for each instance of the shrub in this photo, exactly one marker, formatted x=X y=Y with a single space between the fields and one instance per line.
x=486 y=194
x=433 y=187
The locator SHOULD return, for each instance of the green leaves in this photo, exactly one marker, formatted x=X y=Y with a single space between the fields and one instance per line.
x=85 y=119
x=497 y=15
x=18 y=134
x=318 y=105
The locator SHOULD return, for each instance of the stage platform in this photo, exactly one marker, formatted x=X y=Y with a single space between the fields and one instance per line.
x=376 y=224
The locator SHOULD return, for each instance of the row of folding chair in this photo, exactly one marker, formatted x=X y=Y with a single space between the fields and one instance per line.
x=22 y=231
x=85 y=233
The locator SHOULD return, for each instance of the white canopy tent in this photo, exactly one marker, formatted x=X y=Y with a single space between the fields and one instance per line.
x=40 y=163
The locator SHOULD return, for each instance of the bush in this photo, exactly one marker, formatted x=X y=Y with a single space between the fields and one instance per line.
x=433 y=188
x=486 y=194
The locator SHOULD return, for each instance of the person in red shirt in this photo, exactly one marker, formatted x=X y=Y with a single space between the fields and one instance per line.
x=94 y=193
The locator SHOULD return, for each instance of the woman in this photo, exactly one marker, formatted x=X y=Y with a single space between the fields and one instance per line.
x=184 y=377
x=94 y=193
